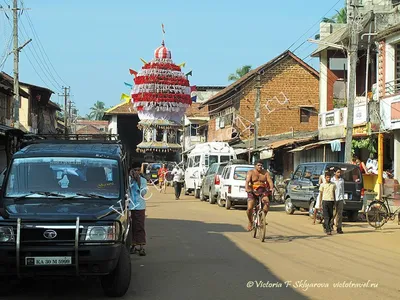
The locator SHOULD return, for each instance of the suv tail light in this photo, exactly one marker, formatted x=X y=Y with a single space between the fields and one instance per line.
x=362 y=192
x=216 y=180
x=229 y=189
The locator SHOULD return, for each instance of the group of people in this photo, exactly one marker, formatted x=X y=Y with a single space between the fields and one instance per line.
x=330 y=199
x=331 y=196
x=177 y=179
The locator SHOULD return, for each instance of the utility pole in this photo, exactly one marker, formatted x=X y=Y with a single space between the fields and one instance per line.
x=353 y=55
x=66 y=110
x=257 y=110
x=16 y=50
x=69 y=116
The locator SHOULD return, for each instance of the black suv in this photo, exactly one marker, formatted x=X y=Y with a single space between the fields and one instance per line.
x=64 y=212
x=302 y=189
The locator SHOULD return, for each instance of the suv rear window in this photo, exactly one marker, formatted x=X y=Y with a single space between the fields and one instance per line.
x=350 y=173
x=241 y=173
x=155 y=166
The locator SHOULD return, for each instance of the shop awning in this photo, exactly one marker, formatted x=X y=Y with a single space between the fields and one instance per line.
x=313 y=145
x=241 y=151
x=286 y=142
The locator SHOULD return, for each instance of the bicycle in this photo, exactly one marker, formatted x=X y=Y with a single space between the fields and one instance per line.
x=378 y=213
x=259 y=219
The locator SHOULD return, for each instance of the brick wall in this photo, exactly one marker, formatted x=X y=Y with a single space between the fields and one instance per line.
x=211 y=134
x=297 y=84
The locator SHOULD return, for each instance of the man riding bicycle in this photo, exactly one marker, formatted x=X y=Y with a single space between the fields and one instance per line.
x=258 y=184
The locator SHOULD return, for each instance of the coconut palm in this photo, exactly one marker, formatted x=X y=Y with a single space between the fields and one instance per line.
x=240 y=72
x=97 y=110
x=339 y=18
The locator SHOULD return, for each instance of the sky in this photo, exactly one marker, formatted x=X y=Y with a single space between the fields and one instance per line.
x=90 y=45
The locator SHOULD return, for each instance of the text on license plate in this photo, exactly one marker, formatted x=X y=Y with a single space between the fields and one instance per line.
x=154 y=176
x=48 y=261
x=346 y=196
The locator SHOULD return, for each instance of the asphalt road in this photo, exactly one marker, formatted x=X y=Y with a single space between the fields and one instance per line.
x=201 y=251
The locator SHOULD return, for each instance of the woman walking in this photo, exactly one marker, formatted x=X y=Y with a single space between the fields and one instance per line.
x=137 y=207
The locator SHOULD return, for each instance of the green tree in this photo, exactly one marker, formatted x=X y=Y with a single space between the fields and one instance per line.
x=97 y=111
x=339 y=18
x=240 y=72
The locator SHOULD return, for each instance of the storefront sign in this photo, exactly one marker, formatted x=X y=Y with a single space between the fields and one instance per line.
x=330 y=119
x=266 y=154
x=361 y=130
x=360 y=114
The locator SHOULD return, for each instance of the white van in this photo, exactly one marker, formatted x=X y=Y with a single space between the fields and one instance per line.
x=200 y=158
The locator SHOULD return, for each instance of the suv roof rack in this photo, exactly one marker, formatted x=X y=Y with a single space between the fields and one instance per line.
x=71 y=139
x=238 y=162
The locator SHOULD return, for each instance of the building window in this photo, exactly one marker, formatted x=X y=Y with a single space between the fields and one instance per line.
x=193 y=129
x=305 y=114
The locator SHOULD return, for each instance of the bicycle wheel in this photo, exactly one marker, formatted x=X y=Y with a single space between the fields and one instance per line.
x=262 y=226
x=377 y=214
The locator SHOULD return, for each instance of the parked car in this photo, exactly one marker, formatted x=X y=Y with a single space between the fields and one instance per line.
x=302 y=189
x=152 y=172
x=61 y=214
x=200 y=158
x=211 y=182
x=233 y=183
x=2 y=175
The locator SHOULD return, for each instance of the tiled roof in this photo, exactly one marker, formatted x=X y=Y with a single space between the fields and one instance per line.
x=89 y=129
x=92 y=122
x=263 y=68
x=122 y=108
x=195 y=111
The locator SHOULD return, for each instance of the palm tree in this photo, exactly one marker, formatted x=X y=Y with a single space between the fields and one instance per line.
x=97 y=110
x=240 y=72
x=339 y=18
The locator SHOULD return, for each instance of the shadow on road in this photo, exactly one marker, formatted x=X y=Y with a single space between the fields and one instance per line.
x=185 y=260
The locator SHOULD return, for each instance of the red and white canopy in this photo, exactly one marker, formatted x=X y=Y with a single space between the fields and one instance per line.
x=161 y=89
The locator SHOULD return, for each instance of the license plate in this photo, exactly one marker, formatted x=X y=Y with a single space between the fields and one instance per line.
x=346 y=196
x=48 y=261
x=154 y=176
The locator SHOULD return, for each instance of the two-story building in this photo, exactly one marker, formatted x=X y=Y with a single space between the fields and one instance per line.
x=37 y=115
x=388 y=91
x=376 y=16
x=289 y=104
x=196 y=117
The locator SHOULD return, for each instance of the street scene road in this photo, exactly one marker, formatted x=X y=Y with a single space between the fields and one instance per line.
x=200 y=251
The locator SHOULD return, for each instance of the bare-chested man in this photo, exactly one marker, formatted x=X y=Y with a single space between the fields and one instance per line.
x=258 y=180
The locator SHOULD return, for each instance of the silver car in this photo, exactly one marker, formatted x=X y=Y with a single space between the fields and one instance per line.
x=211 y=182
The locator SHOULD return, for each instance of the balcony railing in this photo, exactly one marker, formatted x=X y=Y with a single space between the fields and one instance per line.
x=338 y=116
x=392 y=87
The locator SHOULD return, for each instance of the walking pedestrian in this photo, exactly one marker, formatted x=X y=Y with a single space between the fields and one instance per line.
x=177 y=180
x=137 y=207
x=340 y=201
x=318 y=205
x=327 y=194
x=162 y=173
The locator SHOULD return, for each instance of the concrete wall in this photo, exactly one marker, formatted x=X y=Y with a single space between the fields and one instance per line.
x=113 y=125
x=24 y=114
